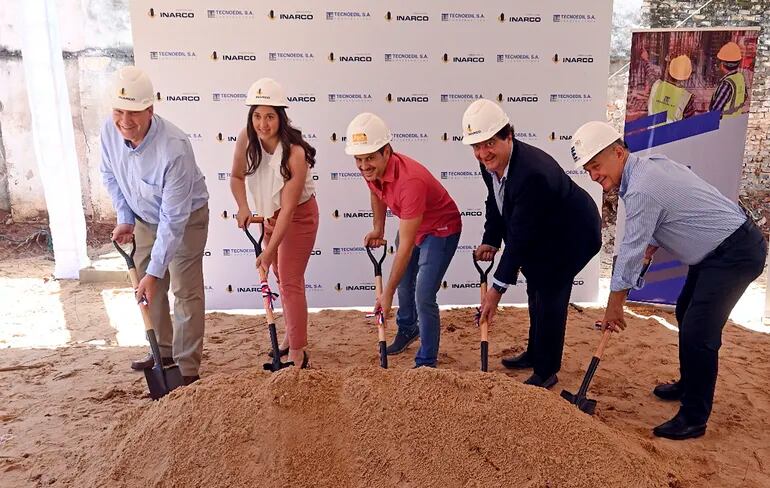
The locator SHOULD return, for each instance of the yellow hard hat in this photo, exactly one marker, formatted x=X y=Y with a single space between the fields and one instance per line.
x=730 y=52
x=680 y=68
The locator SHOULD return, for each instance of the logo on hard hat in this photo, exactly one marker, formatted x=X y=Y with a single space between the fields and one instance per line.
x=122 y=91
x=574 y=152
x=359 y=137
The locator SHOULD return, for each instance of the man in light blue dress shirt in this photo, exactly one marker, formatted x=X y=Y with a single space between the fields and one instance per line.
x=160 y=198
x=669 y=206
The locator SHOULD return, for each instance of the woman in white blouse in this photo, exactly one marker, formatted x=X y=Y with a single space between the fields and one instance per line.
x=274 y=161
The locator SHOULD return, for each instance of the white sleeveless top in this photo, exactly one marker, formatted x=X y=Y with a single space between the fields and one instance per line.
x=266 y=183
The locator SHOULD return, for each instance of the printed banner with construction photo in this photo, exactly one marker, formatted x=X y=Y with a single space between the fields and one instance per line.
x=689 y=92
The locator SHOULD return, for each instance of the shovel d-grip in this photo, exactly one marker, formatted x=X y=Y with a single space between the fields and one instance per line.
x=267 y=299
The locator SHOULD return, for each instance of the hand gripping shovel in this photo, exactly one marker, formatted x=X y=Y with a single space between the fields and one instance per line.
x=161 y=380
x=379 y=315
x=267 y=299
x=483 y=273
x=583 y=403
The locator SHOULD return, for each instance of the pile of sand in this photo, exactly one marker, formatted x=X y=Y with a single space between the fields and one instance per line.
x=367 y=427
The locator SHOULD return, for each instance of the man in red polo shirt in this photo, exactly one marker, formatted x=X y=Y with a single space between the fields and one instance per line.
x=428 y=233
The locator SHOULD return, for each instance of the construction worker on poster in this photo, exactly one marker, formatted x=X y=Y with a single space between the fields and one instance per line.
x=535 y=208
x=669 y=206
x=669 y=95
x=730 y=95
x=428 y=233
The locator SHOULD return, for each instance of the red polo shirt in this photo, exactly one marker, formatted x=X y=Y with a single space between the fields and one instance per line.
x=410 y=190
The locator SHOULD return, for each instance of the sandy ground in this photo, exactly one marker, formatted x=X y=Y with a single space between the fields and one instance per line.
x=64 y=377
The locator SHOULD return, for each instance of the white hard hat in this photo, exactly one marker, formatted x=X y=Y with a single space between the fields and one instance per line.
x=590 y=139
x=482 y=120
x=366 y=134
x=266 y=91
x=131 y=89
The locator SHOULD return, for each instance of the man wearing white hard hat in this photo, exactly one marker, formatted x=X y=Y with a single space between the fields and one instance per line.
x=535 y=208
x=669 y=95
x=160 y=198
x=428 y=233
x=273 y=160
x=669 y=206
x=731 y=94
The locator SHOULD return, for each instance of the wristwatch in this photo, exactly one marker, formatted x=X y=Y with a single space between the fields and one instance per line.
x=500 y=289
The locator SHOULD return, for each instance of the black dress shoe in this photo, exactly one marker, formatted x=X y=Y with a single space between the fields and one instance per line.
x=517 y=362
x=669 y=391
x=305 y=360
x=537 y=380
x=402 y=341
x=678 y=428
x=148 y=362
x=281 y=352
x=189 y=380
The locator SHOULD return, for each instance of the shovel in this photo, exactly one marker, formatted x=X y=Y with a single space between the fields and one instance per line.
x=483 y=273
x=267 y=299
x=583 y=403
x=380 y=316
x=160 y=379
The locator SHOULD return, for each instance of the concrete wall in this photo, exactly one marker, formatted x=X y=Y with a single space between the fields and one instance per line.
x=96 y=40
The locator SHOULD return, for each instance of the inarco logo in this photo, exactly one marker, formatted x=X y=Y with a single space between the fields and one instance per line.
x=315 y=252
x=171 y=15
x=408 y=18
x=239 y=57
x=522 y=19
x=471 y=213
x=578 y=59
x=555 y=58
x=222 y=138
x=336 y=214
x=578 y=283
x=355 y=287
x=444 y=285
x=456 y=286
x=302 y=98
x=229 y=288
x=290 y=16
x=561 y=137
x=180 y=98
x=408 y=99
x=518 y=98
x=335 y=138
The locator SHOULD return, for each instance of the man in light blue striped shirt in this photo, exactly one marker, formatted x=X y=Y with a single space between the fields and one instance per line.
x=669 y=206
x=160 y=198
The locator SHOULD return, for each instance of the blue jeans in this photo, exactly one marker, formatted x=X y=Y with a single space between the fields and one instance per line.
x=417 y=307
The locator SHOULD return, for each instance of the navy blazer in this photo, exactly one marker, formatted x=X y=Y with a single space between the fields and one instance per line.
x=551 y=227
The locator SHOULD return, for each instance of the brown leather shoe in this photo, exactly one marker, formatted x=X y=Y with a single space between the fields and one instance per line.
x=189 y=380
x=149 y=362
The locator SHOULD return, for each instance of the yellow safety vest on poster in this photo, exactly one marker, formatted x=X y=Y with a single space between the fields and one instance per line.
x=669 y=98
x=735 y=105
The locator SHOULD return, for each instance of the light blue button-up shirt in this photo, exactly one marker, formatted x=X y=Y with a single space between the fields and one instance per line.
x=158 y=182
x=669 y=206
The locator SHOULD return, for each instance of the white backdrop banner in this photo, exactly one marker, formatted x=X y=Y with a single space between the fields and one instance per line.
x=417 y=64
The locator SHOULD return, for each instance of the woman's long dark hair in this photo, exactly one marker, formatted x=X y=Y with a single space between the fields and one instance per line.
x=287 y=135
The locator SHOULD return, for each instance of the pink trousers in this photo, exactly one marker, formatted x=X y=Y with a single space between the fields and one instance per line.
x=289 y=268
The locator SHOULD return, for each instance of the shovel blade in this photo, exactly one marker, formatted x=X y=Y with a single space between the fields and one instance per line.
x=584 y=404
x=161 y=380
x=274 y=365
x=570 y=397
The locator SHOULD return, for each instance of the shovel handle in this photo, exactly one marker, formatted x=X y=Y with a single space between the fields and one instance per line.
x=603 y=343
x=380 y=326
x=483 y=325
x=133 y=275
x=257 y=243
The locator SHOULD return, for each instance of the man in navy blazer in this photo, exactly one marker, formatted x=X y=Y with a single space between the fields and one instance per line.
x=551 y=228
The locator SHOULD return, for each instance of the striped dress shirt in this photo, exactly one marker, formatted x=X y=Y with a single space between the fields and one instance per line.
x=668 y=205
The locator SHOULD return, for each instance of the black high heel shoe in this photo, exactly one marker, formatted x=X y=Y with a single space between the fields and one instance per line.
x=305 y=360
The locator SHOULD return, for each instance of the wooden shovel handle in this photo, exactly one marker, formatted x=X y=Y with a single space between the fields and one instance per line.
x=483 y=322
x=380 y=326
x=142 y=307
x=603 y=343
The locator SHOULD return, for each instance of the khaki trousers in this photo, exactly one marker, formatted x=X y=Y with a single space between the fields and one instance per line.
x=184 y=339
